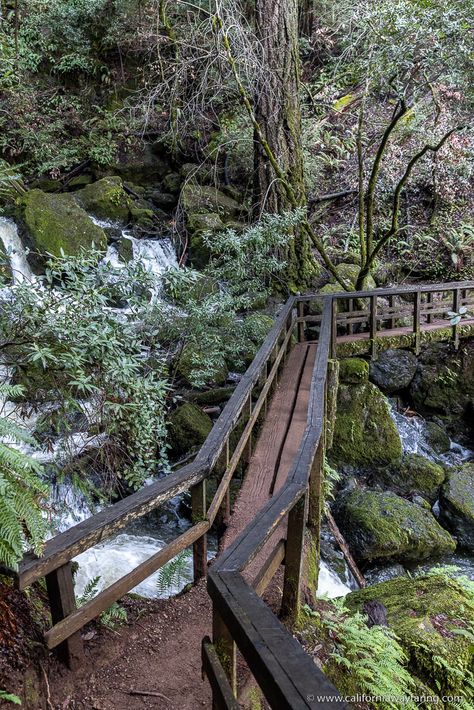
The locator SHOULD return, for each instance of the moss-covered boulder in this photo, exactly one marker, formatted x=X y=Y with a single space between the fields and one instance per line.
x=106 y=199
x=456 y=504
x=350 y=274
x=437 y=437
x=199 y=224
x=193 y=360
x=415 y=474
x=55 y=223
x=393 y=370
x=384 y=525
x=365 y=434
x=431 y=617
x=444 y=380
x=199 y=199
x=353 y=371
x=188 y=428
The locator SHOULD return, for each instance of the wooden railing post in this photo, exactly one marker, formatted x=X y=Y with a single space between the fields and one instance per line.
x=226 y=650
x=198 y=504
x=391 y=304
x=290 y=603
x=334 y=328
x=350 y=325
x=223 y=515
x=373 y=326
x=301 y=336
x=62 y=602
x=456 y=307
x=429 y=303
x=416 y=321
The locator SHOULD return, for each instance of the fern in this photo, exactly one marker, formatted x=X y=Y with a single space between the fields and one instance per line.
x=373 y=659
x=22 y=492
x=9 y=697
x=112 y=616
x=173 y=574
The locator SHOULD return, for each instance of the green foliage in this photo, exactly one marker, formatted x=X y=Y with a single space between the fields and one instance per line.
x=66 y=340
x=111 y=617
x=21 y=491
x=204 y=311
x=10 y=697
x=173 y=574
x=365 y=660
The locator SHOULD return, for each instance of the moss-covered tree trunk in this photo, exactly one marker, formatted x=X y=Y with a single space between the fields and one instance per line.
x=278 y=113
x=306 y=17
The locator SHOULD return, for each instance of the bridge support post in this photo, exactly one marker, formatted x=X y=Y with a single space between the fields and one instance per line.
x=290 y=604
x=416 y=322
x=456 y=307
x=226 y=650
x=62 y=601
x=301 y=336
x=198 y=503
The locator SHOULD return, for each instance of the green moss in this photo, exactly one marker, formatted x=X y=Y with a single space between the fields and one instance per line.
x=457 y=504
x=350 y=273
x=106 y=199
x=415 y=474
x=437 y=437
x=430 y=616
x=142 y=217
x=193 y=358
x=364 y=433
x=188 y=428
x=200 y=199
x=383 y=525
x=353 y=371
x=213 y=396
x=56 y=223
x=362 y=347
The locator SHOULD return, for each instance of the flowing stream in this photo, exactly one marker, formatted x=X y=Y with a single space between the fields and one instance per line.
x=15 y=251
x=116 y=556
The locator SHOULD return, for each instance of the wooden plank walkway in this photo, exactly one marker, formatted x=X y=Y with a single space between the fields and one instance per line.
x=275 y=448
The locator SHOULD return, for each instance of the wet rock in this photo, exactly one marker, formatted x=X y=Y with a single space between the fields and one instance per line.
x=444 y=380
x=188 y=429
x=365 y=434
x=383 y=525
x=106 y=199
x=414 y=474
x=56 y=223
x=198 y=199
x=393 y=370
x=431 y=616
x=353 y=371
x=193 y=359
x=456 y=504
x=437 y=437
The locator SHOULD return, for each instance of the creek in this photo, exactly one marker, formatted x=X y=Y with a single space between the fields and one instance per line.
x=116 y=556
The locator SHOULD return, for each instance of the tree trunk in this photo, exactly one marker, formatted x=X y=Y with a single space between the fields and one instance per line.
x=306 y=17
x=278 y=113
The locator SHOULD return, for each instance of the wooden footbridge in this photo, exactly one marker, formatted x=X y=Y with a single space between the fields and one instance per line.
x=284 y=395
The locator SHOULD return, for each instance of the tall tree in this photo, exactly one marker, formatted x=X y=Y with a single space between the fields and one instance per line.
x=278 y=115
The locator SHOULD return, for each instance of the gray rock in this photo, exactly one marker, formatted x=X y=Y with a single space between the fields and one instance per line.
x=393 y=370
x=456 y=504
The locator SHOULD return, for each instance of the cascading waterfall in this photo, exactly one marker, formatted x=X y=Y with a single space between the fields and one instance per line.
x=115 y=557
x=15 y=251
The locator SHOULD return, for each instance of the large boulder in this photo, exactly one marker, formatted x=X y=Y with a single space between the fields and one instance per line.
x=456 y=504
x=437 y=437
x=384 y=525
x=415 y=474
x=193 y=360
x=444 y=380
x=365 y=434
x=106 y=199
x=393 y=370
x=199 y=199
x=350 y=274
x=431 y=617
x=56 y=223
x=188 y=428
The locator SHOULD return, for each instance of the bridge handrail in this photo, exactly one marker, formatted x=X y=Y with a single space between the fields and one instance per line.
x=233 y=597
